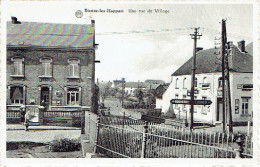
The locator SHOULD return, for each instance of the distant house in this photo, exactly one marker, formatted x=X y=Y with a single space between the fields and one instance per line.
x=130 y=87
x=208 y=86
x=153 y=81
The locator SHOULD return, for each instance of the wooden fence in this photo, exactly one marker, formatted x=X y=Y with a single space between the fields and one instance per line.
x=120 y=138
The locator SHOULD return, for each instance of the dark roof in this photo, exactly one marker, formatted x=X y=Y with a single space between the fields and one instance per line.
x=153 y=81
x=249 y=48
x=135 y=84
x=152 y=86
x=207 y=62
x=50 y=35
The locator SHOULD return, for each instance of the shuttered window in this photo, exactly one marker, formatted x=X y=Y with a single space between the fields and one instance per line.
x=74 y=68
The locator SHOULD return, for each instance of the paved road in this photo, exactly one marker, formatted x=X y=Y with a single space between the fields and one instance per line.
x=116 y=109
x=41 y=136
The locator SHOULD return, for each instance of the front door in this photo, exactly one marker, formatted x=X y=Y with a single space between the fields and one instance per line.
x=219 y=110
x=45 y=92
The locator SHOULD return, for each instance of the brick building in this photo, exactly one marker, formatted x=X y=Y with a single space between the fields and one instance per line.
x=50 y=65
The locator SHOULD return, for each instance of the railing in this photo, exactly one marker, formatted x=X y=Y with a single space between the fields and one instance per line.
x=121 y=138
x=13 y=114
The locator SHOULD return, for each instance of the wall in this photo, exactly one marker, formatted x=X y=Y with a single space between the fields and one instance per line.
x=205 y=113
x=60 y=72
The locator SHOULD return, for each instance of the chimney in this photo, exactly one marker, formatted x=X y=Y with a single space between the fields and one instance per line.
x=14 y=20
x=93 y=23
x=241 y=45
x=199 y=49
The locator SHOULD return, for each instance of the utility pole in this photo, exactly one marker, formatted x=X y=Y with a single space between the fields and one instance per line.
x=123 y=90
x=194 y=36
x=229 y=47
x=223 y=42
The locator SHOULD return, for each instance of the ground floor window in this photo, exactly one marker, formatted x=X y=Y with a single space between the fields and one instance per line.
x=16 y=95
x=73 y=96
x=245 y=104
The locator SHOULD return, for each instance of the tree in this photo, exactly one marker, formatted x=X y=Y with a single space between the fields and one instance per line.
x=140 y=95
x=104 y=91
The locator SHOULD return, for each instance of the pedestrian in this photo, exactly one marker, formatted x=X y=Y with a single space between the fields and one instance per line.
x=27 y=120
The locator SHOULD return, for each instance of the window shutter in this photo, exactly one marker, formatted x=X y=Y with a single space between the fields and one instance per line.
x=76 y=70
x=48 y=70
x=71 y=70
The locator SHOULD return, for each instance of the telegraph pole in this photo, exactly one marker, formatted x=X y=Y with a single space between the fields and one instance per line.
x=228 y=88
x=223 y=41
x=194 y=36
x=123 y=90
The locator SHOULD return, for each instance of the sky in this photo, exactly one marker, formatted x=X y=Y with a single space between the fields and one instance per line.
x=140 y=46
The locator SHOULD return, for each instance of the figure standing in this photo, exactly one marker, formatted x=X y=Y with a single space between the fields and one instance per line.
x=27 y=120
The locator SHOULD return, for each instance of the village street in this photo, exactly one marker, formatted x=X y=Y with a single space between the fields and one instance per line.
x=116 y=109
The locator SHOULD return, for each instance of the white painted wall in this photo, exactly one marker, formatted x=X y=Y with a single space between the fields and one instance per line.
x=206 y=113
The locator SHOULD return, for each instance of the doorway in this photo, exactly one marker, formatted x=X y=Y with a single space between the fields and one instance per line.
x=45 y=96
x=219 y=109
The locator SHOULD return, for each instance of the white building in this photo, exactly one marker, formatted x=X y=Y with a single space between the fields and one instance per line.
x=208 y=86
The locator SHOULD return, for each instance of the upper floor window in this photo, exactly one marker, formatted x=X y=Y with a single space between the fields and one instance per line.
x=177 y=83
x=205 y=80
x=220 y=82
x=184 y=83
x=196 y=82
x=46 y=67
x=18 y=66
x=74 y=68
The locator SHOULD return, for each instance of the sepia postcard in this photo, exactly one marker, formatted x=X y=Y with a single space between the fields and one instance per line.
x=95 y=83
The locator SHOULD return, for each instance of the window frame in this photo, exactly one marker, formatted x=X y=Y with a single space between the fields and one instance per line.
x=44 y=65
x=18 y=65
x=20 y=101
x=76 y=95
x=72 y=63
x=177 y=83
x=184 y=83
x=243 y=105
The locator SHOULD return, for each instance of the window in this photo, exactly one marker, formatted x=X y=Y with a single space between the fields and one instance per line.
x=196 y=82
x=220 y=82
x=184 y=83
x=205 y=80
x=177 y=83
x=46 y=67
x=184 y=105
x=18 y=64
x=16 y=95
x=176 y=97
x=73 y=96
x=74 y=68
x=245 y=103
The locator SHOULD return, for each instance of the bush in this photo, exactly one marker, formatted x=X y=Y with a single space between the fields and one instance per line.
x=65 y=145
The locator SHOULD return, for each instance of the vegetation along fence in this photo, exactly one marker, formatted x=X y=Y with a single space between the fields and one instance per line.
x=120 y=138
x=65 y=118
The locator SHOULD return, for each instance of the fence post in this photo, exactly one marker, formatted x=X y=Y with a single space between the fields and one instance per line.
x=89 y=124
x=97 y=134
x=144 y=140
x=248 y=128
x=239 y=151
x=82 y=121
